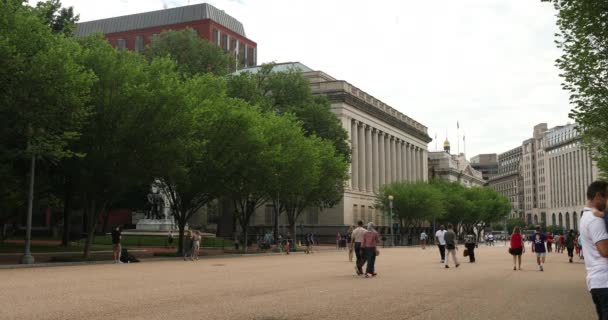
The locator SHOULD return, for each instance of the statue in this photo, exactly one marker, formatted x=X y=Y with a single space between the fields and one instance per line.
x=156 y=203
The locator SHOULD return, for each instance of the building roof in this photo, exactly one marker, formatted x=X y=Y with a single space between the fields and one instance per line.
x=278 y=67
x=159 y=18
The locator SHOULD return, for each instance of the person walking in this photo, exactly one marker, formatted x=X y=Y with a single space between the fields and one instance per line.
x=187 y=244
x=369 y=244
x=338 y=238
x=309 y=241
x=538 y=247
x=516 y=247
x=423 y=238
x=549 y=242
x=349 y=241
x=560 y=243
x=116 y=244
x=357 y=240
x=450 y=245
x=470 y=242
x=440 y=239
x=196 y=244
x=595 y=246
x=570 y=243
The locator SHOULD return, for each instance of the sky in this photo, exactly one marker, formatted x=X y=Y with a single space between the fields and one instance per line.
x=487 y=64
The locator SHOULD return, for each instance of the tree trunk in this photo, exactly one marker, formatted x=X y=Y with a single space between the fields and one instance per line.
x=93 y=214
x=67 y=210
x=180 y=241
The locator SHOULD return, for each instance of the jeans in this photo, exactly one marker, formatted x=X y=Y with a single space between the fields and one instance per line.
x=471 y=248
x=360 y=256
x=442 y=251
x=370 y=255
x=600 y=299
x=549 y=246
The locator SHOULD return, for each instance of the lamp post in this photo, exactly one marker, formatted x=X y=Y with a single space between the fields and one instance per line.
x=390 y=205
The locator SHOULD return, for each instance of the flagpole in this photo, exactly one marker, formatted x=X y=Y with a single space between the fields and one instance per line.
x=458 y=136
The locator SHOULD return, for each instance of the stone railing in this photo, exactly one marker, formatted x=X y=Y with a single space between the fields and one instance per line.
x=332 y=86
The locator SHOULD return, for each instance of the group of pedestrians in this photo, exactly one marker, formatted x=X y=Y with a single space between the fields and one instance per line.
x=365 y=245
x=192 y=244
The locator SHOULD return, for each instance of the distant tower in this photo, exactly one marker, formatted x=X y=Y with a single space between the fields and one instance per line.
x=446 y=146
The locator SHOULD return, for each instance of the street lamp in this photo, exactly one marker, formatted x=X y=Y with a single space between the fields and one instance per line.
x=390 y=205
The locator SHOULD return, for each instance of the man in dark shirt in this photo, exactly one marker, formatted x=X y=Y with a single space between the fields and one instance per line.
x=538 y=247
x=450 y=245
x=116 y=248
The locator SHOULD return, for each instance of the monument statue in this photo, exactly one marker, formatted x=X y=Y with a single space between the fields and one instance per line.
x=156 y=203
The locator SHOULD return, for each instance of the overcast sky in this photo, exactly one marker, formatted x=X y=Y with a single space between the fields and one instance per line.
x=488 y=64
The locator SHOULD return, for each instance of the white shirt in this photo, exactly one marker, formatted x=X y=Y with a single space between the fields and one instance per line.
x=593 y=230
x=440 y=234
x=423 y=236
x=358 y=234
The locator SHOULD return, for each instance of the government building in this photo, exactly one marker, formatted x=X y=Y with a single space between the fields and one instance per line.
x=546 y=178
x=453 y=168
x=135 y=31
x=387 y=146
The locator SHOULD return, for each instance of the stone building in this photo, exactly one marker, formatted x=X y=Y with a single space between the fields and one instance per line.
x=487 y=164
x=547 y=177
x=509 y=181
x=387 y=146
x=453 y=168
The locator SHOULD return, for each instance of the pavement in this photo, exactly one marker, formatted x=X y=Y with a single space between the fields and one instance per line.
x=411 y=284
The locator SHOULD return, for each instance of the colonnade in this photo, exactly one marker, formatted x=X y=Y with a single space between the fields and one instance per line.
x=379 y=158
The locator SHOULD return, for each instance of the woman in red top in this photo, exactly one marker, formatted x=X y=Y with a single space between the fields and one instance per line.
x=517 y=247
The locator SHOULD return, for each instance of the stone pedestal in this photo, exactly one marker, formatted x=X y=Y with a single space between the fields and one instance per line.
x=155 y=225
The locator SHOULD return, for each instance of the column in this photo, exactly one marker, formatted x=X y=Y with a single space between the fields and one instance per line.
x=425 y=165
x=362 y=164
x=410 y=151
x=404 y=161
x=387 y=162
x=393 y=159
x=355 y=155
x=421 y=165
x=381 y=159
x=399 y=163
x=376 y=167
x=368 y=159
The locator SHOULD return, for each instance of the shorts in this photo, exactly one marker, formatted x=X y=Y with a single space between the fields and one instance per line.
x=516 y=251
x=541 y=254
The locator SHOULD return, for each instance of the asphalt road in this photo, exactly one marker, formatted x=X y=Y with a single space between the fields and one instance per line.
x=411 y=284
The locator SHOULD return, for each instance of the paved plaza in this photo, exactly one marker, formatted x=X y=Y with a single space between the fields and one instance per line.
x=411 y=284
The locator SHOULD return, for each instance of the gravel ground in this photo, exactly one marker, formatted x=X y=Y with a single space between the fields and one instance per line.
x=411 y=284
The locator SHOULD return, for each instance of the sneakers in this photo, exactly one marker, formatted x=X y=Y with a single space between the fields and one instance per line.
x=447 y=267
x=540 y=268
x=357 y=271
x=457 y=265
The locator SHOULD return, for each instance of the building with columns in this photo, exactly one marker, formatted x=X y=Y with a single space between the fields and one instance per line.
x=546 y=178
x=387 y=146
x=453 y=168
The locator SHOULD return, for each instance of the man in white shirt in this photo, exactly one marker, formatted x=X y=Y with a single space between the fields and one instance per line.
x=357 y=239
x=595 y=245
x=440 y=239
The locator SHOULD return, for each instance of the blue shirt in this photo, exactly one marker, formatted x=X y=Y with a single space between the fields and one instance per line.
x=539 y=242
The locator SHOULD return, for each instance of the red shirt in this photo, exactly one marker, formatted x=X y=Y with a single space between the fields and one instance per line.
x=549 y=238
x=516 y=241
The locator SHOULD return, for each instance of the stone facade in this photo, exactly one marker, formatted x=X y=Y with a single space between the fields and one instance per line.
x=453 y=168
x=547 y=177
x=387 y=146
x=487 y=164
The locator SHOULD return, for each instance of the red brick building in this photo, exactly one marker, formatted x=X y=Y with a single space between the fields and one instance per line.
x=135 y=31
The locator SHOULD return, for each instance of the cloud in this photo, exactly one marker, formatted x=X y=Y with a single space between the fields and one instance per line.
x=488 y=64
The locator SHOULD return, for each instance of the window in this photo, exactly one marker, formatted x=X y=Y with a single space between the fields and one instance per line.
x=121 y=44
x=242 y=54
x=225 y=42
x=215 y=36
x=251 y=59
x=233 y=43
x=139 y=43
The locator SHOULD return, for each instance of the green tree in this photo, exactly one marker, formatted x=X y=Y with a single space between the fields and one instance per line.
x=413 y=204
x=44 y=97
x=192 y=54
x=583 y=38
x=60 y=20
x=134 y=131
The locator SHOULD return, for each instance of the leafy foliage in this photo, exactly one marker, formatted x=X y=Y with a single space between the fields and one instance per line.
x=583 y=37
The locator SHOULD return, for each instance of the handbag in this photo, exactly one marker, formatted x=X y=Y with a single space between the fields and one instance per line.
x=510 y=250
x=377 y=252
x=465 y=252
